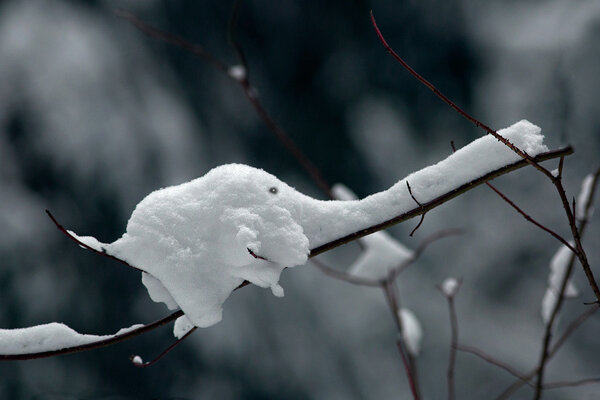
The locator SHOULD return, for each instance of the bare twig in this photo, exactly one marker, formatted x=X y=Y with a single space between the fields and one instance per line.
x=530 y=219
x=453 y=341
x=560 y=295
x=164 y=353
x=345 y=276
x=85 y=246
x=244 y=83
x=420 y=205
x=576 y=323
x=562 y=384
x=486 y=357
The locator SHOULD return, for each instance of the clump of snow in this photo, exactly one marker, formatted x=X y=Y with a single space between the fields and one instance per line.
x=412 y=333
x=193 y=239
x=137 y=360
x=182 y=326
x=381 y=252
x=47 y=337
x=237 y=72
x=198 y=241
x=558 y=269
x=584 y=197
x=450 y=287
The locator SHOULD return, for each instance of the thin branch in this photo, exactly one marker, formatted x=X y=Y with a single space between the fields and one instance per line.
x=556 y=181
x=81 y=244
x=491 y=360
x=453 y=342
x=438 y=201
x=562 y=384
x=344 y=276
x=530 y=219
x=95 y=345
x=420 y=205
x=393 y=274
x=576 y=323
x=142 y=364
x=389 y=290
x=246 y=86
x=172 y=39
x=560 y=295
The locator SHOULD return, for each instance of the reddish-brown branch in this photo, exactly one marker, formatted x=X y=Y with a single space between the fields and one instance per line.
x=246 y=86
x=164 y=353
x=560 y=295
x=419 y=204
x=408 y=361
x=576 y=323
x=491 y=360
x=85 y=246
x=530 y=218
x=556 y=181
x=562 y=384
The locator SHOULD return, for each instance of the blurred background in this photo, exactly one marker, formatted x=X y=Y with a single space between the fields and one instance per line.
x=94 y=115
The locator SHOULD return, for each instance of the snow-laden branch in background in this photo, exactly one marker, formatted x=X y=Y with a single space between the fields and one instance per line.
x=412 y=333
x=562 y=262
x=559 y=266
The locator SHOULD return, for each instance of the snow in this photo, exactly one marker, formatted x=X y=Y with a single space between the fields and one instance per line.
x=182 y=326
x=412 y=333
x=584 y=197
x=137 y=360
x=237 y=72
x=194 y=240
x=558 y=268
x=47 y=337
x=381 y=252
x=450 y=287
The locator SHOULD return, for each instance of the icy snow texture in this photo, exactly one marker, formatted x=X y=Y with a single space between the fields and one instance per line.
x=450 y=286
x=47 y=337
x=381 y=252
x=412 y=333
x=195 y=239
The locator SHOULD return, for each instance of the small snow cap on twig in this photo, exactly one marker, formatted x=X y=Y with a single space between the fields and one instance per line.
x=412 y=333
x=137 y=360
x=450 y=287
x=237 y=72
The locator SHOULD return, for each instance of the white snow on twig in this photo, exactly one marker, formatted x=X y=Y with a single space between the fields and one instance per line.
x=47 y=337
x=560 y=262
x=381 y=252
x=198 y=241
x=450 y=287
x=584 y=198
x=237 y=72
x=412 y=333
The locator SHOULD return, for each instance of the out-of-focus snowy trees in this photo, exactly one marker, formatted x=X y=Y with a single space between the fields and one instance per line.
x=94 y=115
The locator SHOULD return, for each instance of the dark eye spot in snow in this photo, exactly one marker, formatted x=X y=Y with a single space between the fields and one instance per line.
x=273 y=190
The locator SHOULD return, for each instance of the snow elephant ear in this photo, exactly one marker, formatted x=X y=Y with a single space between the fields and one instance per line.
x=270 y=232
